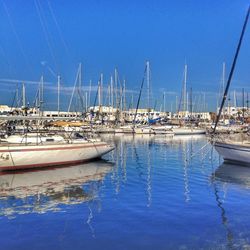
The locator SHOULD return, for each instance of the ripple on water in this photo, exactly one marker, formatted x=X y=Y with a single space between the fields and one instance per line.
x=152 y=192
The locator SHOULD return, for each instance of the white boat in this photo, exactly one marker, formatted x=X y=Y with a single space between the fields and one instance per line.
x=234 y=152
x=105 y=130
x=162 y=130
x=125 y=129
x=144 y=130
x=188 y=131
x=118 y=130
x=50 y=153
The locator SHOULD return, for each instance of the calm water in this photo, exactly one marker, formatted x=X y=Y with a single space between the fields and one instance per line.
x=152 y=192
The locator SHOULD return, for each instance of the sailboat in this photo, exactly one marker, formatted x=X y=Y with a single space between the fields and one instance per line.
x=186 y=130
x=233 y=151
x=36 y=150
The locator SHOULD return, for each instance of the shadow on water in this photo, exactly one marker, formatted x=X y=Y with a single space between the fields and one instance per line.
x=229 y=174
x=45 y=190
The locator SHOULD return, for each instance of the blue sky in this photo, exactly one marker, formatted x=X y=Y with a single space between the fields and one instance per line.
x=40 y=36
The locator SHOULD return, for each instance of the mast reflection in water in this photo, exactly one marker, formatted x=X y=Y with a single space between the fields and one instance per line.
x=152 y=192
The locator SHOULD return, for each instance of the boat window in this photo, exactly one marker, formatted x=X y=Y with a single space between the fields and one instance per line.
x=49 y=139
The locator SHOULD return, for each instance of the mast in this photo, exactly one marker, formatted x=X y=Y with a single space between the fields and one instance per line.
x=148 y=84
x=124 y=94
x=229 y=106
x=243 y=104
x=223 y=85
x=24 y=95
x=99 y=94
x=41 y=93
x=90 y=86
x=101 y=90
x=80 y=77
x=58 y=93
x=139 y=97
x=191 y=102
x=247 y=104
x=185 y=89
x=116 y=88
x=112 y=91
x=235 y=102
x=232 y=68
x=86 y=102
x=17 y=95
x=80 y=87
x=164 y=101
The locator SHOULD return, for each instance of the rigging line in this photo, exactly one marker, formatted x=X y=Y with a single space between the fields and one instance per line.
x=181 y=97
x=45 y=31
x=232 y=69
x=139 y=98
x=17 y=37
x=73 y=92
x=58 y=28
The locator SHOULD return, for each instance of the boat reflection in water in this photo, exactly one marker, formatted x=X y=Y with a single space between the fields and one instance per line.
x=45 y=190
x=222 y=179
x=230 y=173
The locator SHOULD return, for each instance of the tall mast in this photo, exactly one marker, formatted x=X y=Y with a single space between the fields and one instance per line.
x=223 y=76
x=109 y=95
x=116 y=88
x=41 y=83
x=185 y=89
x=243 y=104
x=232 y=69
x=80 y=77
x=58 y=93
x=86 y=101
x=235 y=102
x=101 y=90
x=99 y=94
x=191 y=101
x=112 y=91
x=17 y=96
x=223 y=86
x=124 y=94
x=164 y=101
x=24 y=95
x=148 y=84
x=247 y=104
x=120 y=101
x=80 y=93
x=90 y=86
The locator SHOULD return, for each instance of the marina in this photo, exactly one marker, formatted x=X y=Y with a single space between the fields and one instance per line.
x=124 y=125
x=147 y=186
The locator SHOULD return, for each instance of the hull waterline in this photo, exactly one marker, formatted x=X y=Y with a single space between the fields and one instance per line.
x=234 y=153
x=22 y=157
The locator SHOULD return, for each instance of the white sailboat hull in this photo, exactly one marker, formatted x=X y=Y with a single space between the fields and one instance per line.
x=25 y=156
x=188 y=131
x=144 y=131
x=236 y=153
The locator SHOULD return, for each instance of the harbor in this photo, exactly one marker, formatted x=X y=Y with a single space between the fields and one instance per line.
x=149 y=192
x=128 y=137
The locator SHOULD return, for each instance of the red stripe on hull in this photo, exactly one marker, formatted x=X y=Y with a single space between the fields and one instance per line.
x=49 y=164
x=49 y=149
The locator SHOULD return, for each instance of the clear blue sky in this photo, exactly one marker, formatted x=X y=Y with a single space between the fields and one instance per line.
x=38 y=35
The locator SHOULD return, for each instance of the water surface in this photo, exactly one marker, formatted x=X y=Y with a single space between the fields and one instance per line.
x=152 y=192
